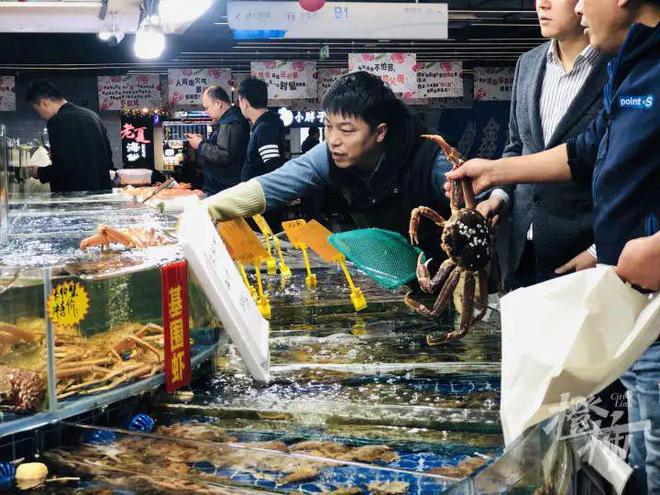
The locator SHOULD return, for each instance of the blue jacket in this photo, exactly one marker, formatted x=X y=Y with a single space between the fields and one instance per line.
x=620 y=151
x=265 y=151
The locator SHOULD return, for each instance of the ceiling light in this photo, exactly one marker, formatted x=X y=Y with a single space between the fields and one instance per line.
x=180 y=11
x=149 y=40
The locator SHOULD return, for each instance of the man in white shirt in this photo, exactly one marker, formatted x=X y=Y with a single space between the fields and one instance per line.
x=557 y=92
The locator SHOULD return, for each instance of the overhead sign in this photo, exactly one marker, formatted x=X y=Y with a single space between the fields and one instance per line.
x=287 y=79
x=135 y=91
x=440 y=80
x=395 y=69
x=185 y=86
x=222 y=283
x=7 y=94
x=338 y=20
x=493 y=83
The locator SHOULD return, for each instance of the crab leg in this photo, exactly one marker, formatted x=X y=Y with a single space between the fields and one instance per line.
x=114 y=235
x=431 y=285
x=482 y=303
x=440 y=302
x=415 y=218
x=468 y=193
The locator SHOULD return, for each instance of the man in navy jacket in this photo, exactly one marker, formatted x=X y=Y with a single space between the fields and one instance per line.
x=620 y=155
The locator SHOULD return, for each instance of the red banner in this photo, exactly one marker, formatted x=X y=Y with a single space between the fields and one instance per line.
x=174 y=283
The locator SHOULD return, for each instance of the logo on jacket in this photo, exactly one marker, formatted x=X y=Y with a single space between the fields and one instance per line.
x=637 y=102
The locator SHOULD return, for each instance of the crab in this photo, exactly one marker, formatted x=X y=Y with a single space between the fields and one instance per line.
x=466 y=241
x=133 y=237
x=21 y=390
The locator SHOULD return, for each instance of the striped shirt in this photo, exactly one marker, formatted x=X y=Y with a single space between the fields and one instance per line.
x=560 y=87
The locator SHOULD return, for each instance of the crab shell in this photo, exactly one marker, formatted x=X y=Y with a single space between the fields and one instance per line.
x=466 y=239
x=23 y=390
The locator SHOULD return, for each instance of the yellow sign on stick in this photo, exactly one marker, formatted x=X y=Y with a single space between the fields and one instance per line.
x=294 y=229
x=315 y=236
x=271 y=263
x=68 y=304
x=241 y=241
x=244 y=247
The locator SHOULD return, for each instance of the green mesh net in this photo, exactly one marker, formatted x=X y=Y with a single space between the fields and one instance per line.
x=384 y=256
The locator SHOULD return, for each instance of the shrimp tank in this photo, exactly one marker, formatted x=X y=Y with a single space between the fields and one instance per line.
x=358 y=402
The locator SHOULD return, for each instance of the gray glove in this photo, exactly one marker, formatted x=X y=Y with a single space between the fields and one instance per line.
x=243 y=200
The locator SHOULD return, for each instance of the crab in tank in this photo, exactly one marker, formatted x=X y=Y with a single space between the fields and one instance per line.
x=466 y=241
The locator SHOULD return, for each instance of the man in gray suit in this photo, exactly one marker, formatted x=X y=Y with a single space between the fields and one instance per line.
x=557 y=92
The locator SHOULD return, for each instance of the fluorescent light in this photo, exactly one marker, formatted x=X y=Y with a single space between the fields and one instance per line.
x=180 y=11
x=149 y=41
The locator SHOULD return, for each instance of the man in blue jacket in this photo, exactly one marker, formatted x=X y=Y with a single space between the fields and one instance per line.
x=620 y=155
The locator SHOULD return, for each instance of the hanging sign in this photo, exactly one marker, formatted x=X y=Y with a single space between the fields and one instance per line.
x=137 y=141
x=176 y=325
x=294 y=79
x=7 y=94
x=327 y=77
x=493 y=83
x=439 y=79
x=338 y=20
x=134 y=91
x=395 y=69
x=185 y=86
x=222 y=283
x=68 y=304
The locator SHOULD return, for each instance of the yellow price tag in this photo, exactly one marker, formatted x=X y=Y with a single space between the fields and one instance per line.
x=315 y=236
x=68 y=304
x=294 y=231
x=242 y=243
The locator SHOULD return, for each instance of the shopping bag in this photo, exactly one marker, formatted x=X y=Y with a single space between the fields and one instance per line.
x=568 y=338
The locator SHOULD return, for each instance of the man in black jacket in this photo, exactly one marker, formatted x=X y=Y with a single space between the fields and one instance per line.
x=265 y=150
x=222 y=154
x=79 y=147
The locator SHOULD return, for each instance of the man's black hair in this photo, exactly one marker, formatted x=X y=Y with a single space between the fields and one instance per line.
x=42 y=90
x=218 y=93
x=363 y=95
x=255 y=91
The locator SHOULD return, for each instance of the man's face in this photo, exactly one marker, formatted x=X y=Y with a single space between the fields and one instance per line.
x=350 y=139
x=558 y=18
x=606 y=23
x=213 y=108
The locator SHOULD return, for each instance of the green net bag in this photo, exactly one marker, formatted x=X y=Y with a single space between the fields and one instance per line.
x=384 y=256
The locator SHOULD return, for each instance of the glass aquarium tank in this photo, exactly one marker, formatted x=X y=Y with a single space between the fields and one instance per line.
x=358 y=401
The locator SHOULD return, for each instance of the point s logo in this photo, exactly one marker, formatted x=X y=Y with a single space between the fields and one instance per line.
x=637 y=102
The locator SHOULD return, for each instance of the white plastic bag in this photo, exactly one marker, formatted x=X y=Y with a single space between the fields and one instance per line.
x=571 y=335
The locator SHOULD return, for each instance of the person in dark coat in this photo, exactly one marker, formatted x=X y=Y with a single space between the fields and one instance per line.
x=222 y=154
x=79 y=148
x=311 y=140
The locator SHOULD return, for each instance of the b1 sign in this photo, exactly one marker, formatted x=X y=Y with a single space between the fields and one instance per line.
x=338 y=20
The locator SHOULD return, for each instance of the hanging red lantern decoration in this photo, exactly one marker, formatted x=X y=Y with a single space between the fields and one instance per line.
x=311 y=5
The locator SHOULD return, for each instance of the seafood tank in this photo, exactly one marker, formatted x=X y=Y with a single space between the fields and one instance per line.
x=357 y=403
x=83 y=327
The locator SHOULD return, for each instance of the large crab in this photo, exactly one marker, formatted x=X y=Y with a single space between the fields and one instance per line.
x=133 y=237
x=466 y=240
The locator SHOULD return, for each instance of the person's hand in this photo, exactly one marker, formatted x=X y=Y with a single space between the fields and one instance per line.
x=582 y=261
x=491 y=209
x=479 y=169
x=639 y=262
x=194 y=140
x=33 y=172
